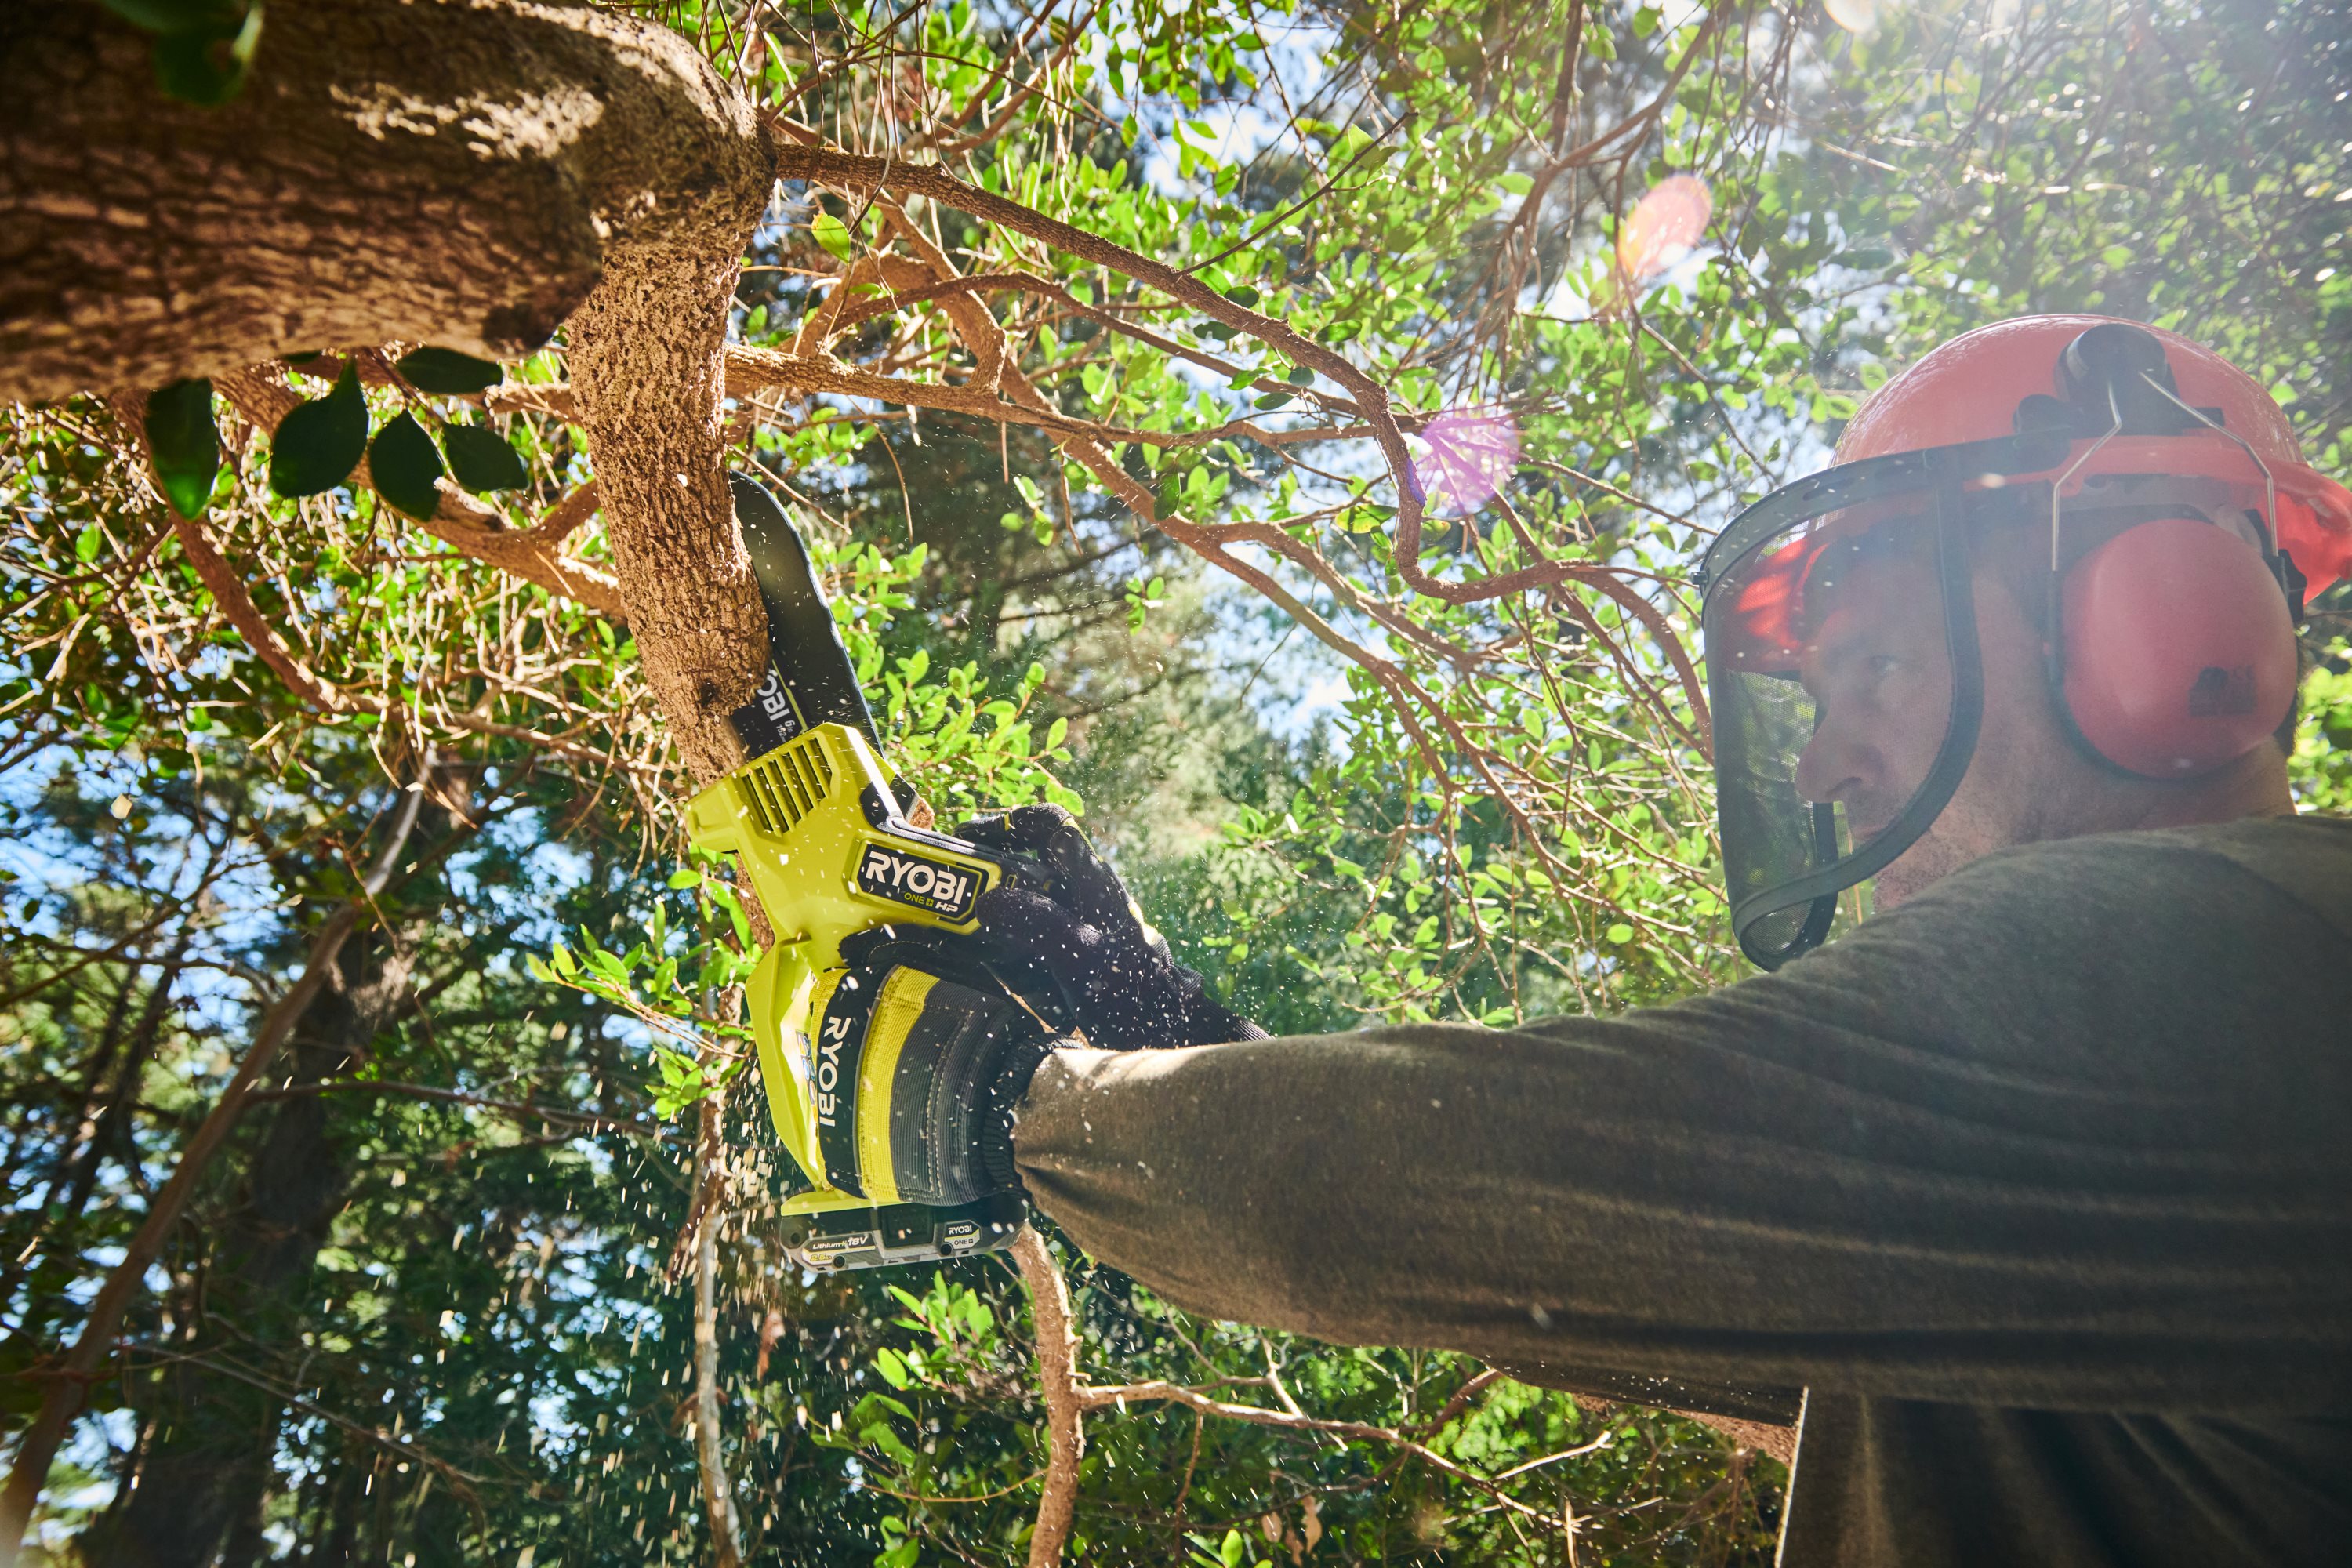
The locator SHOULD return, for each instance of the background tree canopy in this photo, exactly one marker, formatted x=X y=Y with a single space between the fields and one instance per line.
x=1284 y=428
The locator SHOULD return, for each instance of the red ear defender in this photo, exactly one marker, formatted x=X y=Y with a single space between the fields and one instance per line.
x=2179 y=652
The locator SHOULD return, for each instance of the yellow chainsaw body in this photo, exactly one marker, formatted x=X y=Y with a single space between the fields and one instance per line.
x=827 y=854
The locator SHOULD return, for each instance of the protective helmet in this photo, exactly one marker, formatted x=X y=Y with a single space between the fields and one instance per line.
x=2181 y=531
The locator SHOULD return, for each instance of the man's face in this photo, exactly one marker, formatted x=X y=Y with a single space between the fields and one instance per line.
x=1880 y=676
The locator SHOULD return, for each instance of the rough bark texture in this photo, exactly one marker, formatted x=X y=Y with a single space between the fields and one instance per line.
x=648 y=368
x=443 y=171
x=460 y=171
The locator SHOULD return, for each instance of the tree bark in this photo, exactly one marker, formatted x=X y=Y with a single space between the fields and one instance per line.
x=448 y=171
x=1057 y=1382
x=648 y=355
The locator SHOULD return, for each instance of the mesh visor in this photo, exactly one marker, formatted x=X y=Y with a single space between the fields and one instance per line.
x=1843 y=670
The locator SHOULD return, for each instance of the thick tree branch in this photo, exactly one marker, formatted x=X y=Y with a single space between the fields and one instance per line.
x=422 y=170
x=648 y=357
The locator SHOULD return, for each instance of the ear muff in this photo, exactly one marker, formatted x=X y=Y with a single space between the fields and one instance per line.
x=2177 y=651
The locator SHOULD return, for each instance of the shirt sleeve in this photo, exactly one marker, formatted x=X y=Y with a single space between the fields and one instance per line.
x=2069 y=1130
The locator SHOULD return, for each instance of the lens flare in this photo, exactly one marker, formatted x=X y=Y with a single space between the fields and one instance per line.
x=1472 y=452
x=1663 y=227
x=1859 y=18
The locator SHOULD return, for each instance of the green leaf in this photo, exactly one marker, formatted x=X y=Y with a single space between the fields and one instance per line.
x=1243 y=295
x=206 y=64
x=1621 y=932
x=685 y=878
x=892 y=1366
x=319 y=444
x=832 y=233
x=1517 y=184
x=480 y=459
x=445 y=373
x=405 y=468
x=1301 y=376
x=87 y=543
x=1275 y=400
x=186 y=443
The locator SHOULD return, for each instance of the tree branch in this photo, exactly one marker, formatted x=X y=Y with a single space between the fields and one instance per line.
x=710 y=1447
x=1057 y=1382
x=61 y=1400
x=460 y=522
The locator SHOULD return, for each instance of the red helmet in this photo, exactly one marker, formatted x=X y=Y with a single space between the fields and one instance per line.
x=1971 y=389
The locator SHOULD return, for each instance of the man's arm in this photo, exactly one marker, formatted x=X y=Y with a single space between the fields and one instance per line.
x=2068 y=1129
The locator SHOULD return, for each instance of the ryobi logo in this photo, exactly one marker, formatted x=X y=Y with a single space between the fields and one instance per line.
x=911 y=879
x=835 y=1035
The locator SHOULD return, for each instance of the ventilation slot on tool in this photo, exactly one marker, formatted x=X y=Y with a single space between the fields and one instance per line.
x=786 y=785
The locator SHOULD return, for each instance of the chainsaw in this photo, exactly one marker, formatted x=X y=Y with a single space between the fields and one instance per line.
x=819 y=830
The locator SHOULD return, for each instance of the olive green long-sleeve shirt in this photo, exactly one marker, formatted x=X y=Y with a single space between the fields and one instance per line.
x=2039 y=1187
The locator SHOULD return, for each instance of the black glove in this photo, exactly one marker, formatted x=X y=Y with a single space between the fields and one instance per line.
x=1115 y=973
x=923 y=1027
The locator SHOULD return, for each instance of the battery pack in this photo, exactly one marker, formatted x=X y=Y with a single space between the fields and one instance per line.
x=901 y=1233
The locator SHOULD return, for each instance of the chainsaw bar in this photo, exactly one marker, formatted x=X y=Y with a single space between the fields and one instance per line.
x=810 y=679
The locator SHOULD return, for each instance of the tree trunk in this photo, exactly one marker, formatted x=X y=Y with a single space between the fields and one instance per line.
x=209 y=1475
x=461 y=172
x=449 y=171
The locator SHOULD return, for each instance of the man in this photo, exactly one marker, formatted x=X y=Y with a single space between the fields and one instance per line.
x=2031 y=1195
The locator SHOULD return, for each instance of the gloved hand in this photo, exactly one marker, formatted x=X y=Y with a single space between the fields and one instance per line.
x=1125 y=989
x=921 y=1056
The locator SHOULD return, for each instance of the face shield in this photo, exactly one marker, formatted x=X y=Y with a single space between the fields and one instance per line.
x=1840 y=629
x=1843 y=670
